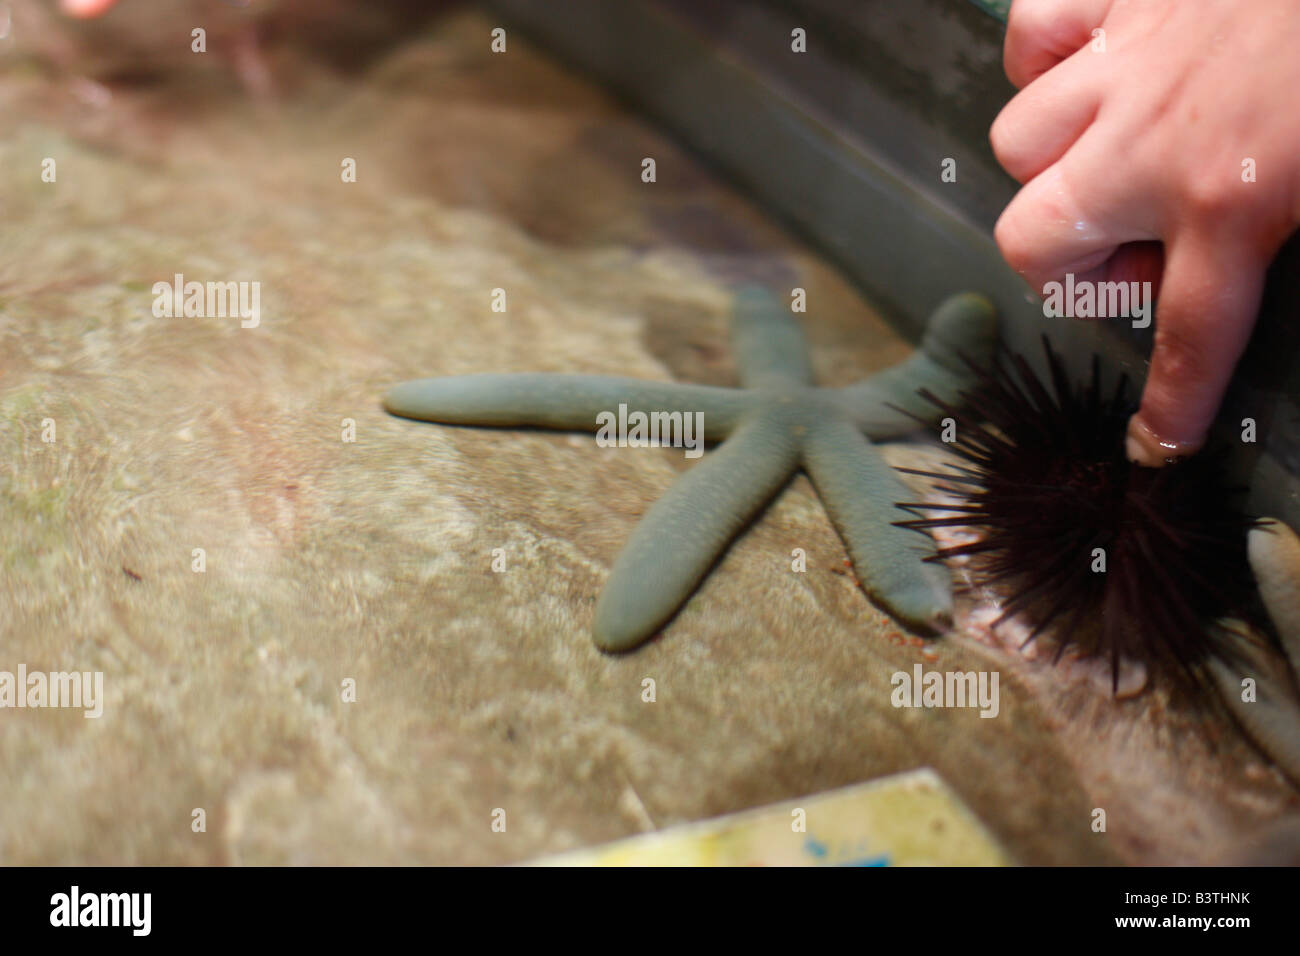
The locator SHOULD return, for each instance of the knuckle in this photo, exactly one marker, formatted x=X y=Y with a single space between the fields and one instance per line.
x=1041 y=23
x=1185 y=356
x=1013 y=243
x=1000 y=139
x=1209 y=194
x=1026 y=18
x=1019 y=144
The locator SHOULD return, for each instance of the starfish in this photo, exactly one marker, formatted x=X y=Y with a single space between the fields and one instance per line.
x=777 y=423
x=1270 y=716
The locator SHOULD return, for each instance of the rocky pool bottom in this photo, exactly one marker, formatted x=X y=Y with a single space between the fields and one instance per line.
x=327 y=561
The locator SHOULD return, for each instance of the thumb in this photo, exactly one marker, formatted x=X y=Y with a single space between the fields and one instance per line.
x=1209 y=297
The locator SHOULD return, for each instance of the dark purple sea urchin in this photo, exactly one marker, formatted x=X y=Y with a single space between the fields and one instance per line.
x=1118 y=560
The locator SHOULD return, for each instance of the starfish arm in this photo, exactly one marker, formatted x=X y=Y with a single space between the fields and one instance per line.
x=963 y=328
x=860 y=489
x=682 y=535
x=561 y=401
x=767 y=341
x=1272 y=719
x=1274 y=553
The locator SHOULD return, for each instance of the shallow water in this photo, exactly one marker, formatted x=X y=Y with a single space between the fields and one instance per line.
x=327 y=560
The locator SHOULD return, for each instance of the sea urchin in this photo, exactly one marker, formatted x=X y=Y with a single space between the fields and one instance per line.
x=1121 y=561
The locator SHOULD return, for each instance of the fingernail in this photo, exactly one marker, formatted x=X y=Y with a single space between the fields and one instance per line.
x=1143 y=447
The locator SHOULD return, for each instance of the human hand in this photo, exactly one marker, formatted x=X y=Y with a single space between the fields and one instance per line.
x=1176 y=124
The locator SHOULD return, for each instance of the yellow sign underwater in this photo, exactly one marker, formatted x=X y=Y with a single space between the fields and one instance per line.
x=911 y=819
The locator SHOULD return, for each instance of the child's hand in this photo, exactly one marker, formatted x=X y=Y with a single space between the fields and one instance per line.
x=1180 y=123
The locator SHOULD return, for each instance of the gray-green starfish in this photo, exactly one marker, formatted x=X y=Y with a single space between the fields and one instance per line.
x=1270 y=714
x=775 y=424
